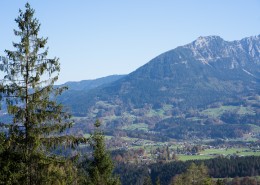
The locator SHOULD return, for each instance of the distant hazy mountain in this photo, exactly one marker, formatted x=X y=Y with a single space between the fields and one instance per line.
x=205 y=71
x=91 y=84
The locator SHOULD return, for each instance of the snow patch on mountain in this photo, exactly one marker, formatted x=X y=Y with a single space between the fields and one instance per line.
x=213 y=48
x=248 y=72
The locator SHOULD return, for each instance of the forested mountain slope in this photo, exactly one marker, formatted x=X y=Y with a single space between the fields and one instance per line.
x=204 y=71
x=178 y=86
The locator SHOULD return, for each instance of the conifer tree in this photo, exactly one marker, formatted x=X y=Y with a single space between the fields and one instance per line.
x=37 y=120
x=99 y=169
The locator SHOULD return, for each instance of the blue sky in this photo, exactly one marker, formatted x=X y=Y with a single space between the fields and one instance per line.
x=99 y=38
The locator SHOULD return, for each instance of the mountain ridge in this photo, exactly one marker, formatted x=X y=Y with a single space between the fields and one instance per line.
x=188 y=67
x=173 y=93
x=92 y=83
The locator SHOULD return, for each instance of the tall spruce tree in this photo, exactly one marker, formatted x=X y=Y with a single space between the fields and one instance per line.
x=99 y=169
x=37 y=120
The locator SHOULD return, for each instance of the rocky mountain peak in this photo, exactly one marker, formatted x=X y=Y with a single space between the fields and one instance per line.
x=210 y=49
x=207 y=40
x=251 y=45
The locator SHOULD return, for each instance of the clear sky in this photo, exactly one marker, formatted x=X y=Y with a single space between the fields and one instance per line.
x=95 y=38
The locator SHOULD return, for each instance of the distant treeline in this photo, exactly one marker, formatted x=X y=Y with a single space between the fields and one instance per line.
x=220 y=167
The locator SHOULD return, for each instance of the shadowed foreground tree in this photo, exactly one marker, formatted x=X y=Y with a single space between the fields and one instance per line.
x=99 y=168
x=37 y=120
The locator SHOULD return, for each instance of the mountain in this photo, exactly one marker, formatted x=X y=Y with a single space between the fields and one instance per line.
x=86 y=85
x=195 y=76
x=73 y=88
x=81 y=88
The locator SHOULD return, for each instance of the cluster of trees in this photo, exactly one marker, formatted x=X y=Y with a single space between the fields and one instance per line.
x=214 y=168
x=181 y=128
x=235 y=118
x=198 y=175
x=37 y=126
x=195 y=175
x=98 y=169
x=239 y=181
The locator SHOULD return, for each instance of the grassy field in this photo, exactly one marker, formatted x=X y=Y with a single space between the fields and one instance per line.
x=255 y=128
x=211 y=153
x=138 y=126
x=228 y=151
x=217 y=112
x=159 y=112
x=193 y=157
x=86 y=135
x=152 y=113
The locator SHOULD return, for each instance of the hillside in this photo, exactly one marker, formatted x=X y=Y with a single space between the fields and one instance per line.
x=180 y=84
x=86 y=85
